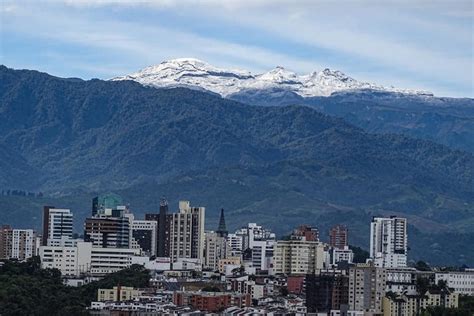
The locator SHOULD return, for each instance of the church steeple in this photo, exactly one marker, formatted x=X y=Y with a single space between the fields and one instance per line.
x=222 y=229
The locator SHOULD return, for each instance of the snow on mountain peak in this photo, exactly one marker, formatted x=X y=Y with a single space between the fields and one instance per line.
x=195 y=73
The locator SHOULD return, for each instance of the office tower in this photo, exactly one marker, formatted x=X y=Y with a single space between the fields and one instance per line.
x=108 y=231
x=57 y=225
x=326 y=292
x=105 y=201
x=305 y=232
x=338 y=237
x=163 y=222
x=16 y=243
x=366 y=288
x=222 y=229
x=388 y=241
x=110 y=226
x=298 y=257
x=187 y=232
x=215 y=249
x=144 y=236
x=163 y=230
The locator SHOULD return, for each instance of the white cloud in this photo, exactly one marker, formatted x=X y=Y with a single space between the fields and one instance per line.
x=370 y=31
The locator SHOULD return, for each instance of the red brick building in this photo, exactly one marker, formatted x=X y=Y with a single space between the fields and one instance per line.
x=211 y=301
x=295 y=284
x=338 y=236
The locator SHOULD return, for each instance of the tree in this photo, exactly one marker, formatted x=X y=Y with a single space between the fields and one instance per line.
x=422 y=266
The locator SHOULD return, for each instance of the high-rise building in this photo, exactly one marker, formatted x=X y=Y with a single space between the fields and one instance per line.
x=110 y=226
x=235 y=243
x=163 y=220
x=305 y=232
x=215 y=249
x=298 y=257
x=57 y=225
x=187 y=232
x=262 y=254
x=338 y=237
x=108 y=232
x=144 y=236
x=366 y=288
x=105 y=201
x=388 y=241
x=16 y=244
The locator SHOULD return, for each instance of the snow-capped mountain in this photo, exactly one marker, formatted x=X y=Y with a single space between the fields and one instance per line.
x=194 y=73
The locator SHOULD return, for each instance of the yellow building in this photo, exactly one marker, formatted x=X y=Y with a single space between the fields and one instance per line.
x=118 y=293
x=234 y=261
x=410 y=305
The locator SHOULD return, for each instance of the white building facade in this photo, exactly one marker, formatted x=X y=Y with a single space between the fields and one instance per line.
x=461 y=282
x=388 y=241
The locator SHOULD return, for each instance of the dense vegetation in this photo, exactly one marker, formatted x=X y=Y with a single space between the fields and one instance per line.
x=25 y=289
x=279 y=166
x=448 y=121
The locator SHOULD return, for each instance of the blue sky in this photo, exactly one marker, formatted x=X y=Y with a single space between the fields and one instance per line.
x=408 y=44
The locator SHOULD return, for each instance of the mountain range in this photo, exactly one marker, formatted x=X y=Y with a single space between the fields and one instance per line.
x=276 y=165
x=191 y=72
x=415 y=113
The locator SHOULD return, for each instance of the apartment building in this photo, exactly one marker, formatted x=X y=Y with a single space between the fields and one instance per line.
x=388 y=241
x=338 y=237
x=366 y=288
x=298 y=257
x=16 y=244
x=57 y=225
x=187 y=237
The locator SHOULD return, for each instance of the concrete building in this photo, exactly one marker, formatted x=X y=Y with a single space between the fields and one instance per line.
x=341 y=254
x=262 y=254
x=235 y=244
x=298 y=257
x=229 y=263
x=57 y=225
x=388 y=241
x=86 y=259
x=412 y=305
x=401 y=280
x=305 y=233
x=187 y=232
x=338 y=237
x=366 y=288
x=16 y=244
x=253 y=232
x=144 y=236
x=460 y=282
x=118 y=294
x=215 y=249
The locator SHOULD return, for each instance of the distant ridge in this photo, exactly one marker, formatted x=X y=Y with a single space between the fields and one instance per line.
x=192 y=72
